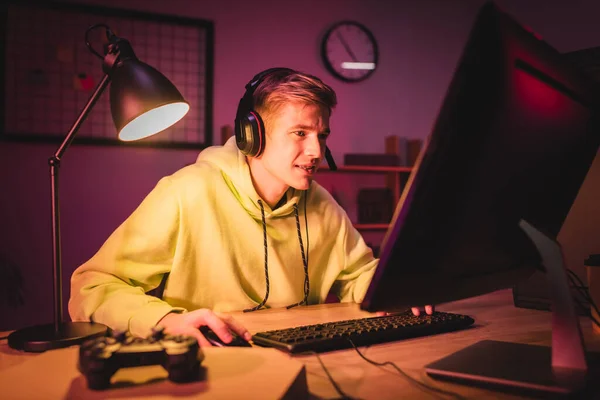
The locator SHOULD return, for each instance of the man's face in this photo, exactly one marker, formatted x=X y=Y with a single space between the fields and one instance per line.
x=295 y=145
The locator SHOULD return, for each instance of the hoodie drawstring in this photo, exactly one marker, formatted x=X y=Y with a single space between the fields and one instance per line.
x=264 y=226
x=304 y=259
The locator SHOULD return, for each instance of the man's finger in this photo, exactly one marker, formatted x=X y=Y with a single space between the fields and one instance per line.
x=429 y=309
x=235 y=326
x=217 y=325
x=201 y=339
x=416 y=311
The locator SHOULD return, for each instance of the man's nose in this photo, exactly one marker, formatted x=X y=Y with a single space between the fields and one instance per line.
x=313 y=147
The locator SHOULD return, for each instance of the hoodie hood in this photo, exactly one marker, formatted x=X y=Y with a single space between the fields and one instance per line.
x=236 y=172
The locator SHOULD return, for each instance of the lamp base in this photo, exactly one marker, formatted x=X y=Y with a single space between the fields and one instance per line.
x=40 y=338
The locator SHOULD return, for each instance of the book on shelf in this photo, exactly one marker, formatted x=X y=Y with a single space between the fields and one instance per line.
x=407 y=150
x=366 y=159
x=375 y=205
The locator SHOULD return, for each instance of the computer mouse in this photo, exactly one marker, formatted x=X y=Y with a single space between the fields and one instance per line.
x=215 y=340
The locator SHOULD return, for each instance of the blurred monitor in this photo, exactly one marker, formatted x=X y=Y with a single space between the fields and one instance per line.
x=513 y=141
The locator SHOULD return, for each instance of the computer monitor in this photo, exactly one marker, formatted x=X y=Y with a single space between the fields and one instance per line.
x=514 y=139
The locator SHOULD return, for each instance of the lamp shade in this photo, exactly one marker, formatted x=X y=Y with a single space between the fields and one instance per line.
x=143 y=101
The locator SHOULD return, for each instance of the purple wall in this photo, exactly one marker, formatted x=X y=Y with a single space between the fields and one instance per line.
x=419 y=42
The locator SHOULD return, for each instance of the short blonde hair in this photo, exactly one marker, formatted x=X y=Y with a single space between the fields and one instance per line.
x=288 y=86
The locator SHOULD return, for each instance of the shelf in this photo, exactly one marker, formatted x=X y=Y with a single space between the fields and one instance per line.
x=392 y=183
x=371 y=227
x=366 y=168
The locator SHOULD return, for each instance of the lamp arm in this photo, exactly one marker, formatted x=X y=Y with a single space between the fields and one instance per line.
x=111 y=59
x=54 y=163
x=82 y=116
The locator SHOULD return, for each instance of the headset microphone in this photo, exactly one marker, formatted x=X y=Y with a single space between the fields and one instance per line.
x=329 y=159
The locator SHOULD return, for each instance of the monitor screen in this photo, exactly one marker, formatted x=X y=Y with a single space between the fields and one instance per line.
x=514 y=139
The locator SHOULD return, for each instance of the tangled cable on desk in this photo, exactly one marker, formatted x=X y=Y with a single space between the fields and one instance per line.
x=345 y=396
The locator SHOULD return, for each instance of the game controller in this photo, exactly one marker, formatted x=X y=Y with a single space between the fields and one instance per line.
x=100 y=358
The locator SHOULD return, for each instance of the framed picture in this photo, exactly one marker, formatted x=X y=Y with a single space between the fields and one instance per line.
x=48 y=73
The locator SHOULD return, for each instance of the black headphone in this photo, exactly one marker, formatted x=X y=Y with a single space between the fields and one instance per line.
x=249 y=126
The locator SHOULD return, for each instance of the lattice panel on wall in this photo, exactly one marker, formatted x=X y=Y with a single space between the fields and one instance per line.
x=49 y=73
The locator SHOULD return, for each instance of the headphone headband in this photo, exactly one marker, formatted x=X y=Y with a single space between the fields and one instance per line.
x=261 y=75
x=247 y=101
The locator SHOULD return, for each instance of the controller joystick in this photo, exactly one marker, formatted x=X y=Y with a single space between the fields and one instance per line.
x=101 y=357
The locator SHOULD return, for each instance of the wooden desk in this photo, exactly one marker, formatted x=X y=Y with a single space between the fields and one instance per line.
x=495 y=318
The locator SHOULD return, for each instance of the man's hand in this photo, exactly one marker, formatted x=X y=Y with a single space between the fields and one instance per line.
x=415 y=310
x=189 y=324
x=428 y=309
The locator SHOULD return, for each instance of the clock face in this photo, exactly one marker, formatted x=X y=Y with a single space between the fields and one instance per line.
x=349 y=51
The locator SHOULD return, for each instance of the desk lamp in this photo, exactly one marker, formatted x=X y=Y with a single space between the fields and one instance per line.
x=142 y=102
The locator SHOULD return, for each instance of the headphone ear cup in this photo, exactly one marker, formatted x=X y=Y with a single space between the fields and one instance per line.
x=249 y=134
x=249 y=126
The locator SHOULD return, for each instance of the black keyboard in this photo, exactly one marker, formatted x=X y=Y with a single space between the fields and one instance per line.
x=365 y=331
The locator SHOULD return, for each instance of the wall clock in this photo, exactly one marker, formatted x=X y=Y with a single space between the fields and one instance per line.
x=349 y=51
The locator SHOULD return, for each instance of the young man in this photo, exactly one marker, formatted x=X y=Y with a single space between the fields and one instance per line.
x=241 y=229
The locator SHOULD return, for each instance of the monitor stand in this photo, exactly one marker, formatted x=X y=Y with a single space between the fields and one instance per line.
x=525 y=368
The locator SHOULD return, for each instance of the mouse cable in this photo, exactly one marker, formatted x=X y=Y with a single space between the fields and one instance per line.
x=335 y=385
x=420 y=384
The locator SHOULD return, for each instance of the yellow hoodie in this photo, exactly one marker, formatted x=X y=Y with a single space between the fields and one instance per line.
x=203 y=226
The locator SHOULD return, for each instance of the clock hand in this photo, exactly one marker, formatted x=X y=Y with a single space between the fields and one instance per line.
x=348 y=49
